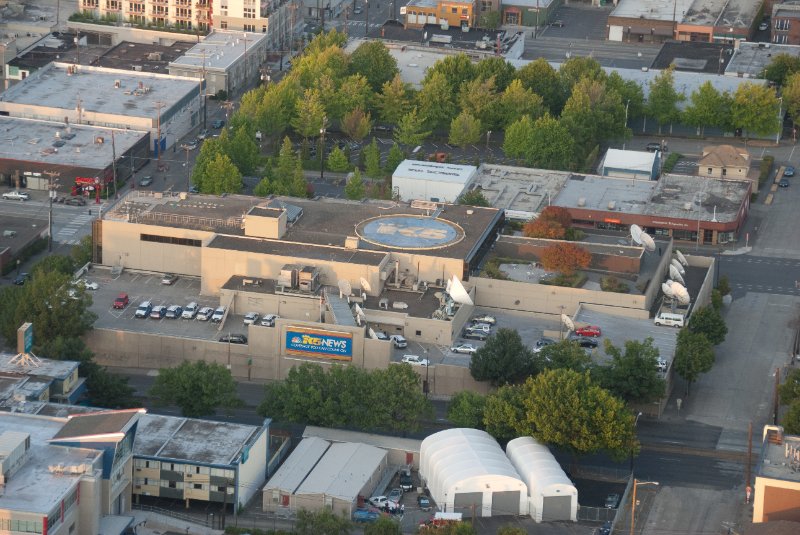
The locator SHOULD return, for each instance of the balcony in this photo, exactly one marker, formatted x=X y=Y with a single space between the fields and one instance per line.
x=203 y=6
x=183 y=16
x=183 y=3
x=160 y=2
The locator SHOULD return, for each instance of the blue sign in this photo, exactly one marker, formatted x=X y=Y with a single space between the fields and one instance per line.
x=319 y=344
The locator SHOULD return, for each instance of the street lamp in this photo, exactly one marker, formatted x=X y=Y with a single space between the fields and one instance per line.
x=322 y=151
x=635 y=422
x=627 y=103
x=489 y=133
x=633 y=498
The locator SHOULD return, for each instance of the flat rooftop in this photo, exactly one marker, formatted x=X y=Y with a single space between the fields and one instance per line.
x=50 y=48
x=192 y=440
x=94 y=87
x=29 y=140
x=343 y=470
x=630 y=160
x=34 y=488
x=379 y=441
x=419 y=304
x=751 y=59
x=705 y=198
x=147 y=57
x=297 y=250
x=694 y=56
x=219 y=50
x=518 y=189
x=592 y=192
x=651 y=9
x=733 y=13
x=776 y=459
x=58 y=369
x=300 y=463
x=26 y=228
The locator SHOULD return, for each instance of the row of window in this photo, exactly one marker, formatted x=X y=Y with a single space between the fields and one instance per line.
x=183 y=468
x=22 y=526
x=170 y=240
x=178 y=485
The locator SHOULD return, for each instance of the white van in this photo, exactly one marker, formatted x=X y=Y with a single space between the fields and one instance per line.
x=669 y=319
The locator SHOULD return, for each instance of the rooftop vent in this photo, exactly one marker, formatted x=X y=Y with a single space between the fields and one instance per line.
x=612 y=205
x=687 y=206
x=582 y=201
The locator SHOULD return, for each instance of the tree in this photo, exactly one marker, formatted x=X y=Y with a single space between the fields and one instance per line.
x=394 y=158
x=791 y=96
x=498 y=68
x=397 y=403
x=82 y=252
x=310 y=114
x=566 y=409
x=516 y=101
x=455 y=69
x=518 y=138
x=565 y=258
x=325 y=40
x=410 y=130
x=383 y=526
x=287 y=160
x=479 y=98
x=353 y=93
x=356 y=124
x=633 y=375
x=630 y=93
x=541 y=78
x=243 y=151
x=565 y=354
x=395 y=100
x=473 y=197
x=355 y=189
x=337 y=161
x=593 y=114
x=708 y=107
x=323 y=522
x=756 y=109
x=503 y=359
x=201 y=178
x=372 y=159
x=55 y=263
x=197 y=388
x=694 y=355
x=504 y=413
x=221 y=176
x=298 y=187
x=465 y=130
x=551 y=145
x=557 y=214
x=791 y=420
x=577 y=69
x=435 y=100
x=490 y=20
x=781 y=67
x=544 y=228
x=789 y=391
x=466 y=409
x=373 y=60
x=662 y=102
x=708 y=321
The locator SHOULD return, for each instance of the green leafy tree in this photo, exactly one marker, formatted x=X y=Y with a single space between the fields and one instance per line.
x=337 y=161
x=309 y=69
x=498 y=68
x=323 y=522
x=436 y=101
x=708 y=321
x=694 y=355
x=633 y=375
x=394 y=100
x=504 y=414
x=466 y=409
x=55 y=263
x=198 y=388
x=221 y=176
x=791 y=420
x=398 y=403
x=662 y=102
x=383 y=526
x=353 y=93
x=356 y=124
x=519 y=138
x=373 y=61
x=411 y=130
x=263 y=188
x=490 y=20
x=516 y=101
x=630 y=93
x=551 y=145
x=789 y=391
x=708 y=107
x=479 y=98
x=456 y=70
x=355 y=189
x=298 y=187
x=791 y=96
x=755 y=109
x=782 y=67
x=473 y=197
x=565 y=354
x=541 y=78
x=372 y=160
x=209 y=151
x=310 y=114
x=578 y=68
x=503 y=359
x=465 y=130
x=325 y=40
x=287 y=160
x=592 y=115
x=243 y=151
x=724 y=285
x=82 y=252
x=394 y=158
x=509 y=529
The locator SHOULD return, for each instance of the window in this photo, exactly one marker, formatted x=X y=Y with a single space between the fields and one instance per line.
x=223 y=24
x=172 y=241
x=250 y=27
x=197 y=486
x=709 y=170
x=486 y=6
x=724 y=171
x=454 y=10
x=465 y=11
x=264 y=29
x=173 y=485
x=419 y=333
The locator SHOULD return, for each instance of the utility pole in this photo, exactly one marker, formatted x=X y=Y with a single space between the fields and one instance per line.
x=79 y=109
x=187 y=169
x=113 y=165
x=159 y=105
x=51 y=192
x=366 y=20
x=203 y=89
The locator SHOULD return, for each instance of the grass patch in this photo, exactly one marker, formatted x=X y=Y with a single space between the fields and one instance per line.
x=570 y=281
x=491 y=268
x=672 y=159
x=765 y=169
x=613 y=284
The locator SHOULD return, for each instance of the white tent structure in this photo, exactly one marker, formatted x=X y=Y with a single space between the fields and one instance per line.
x=553 y=497
x=467 y=471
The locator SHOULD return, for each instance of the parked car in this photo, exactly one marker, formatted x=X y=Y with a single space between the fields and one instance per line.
x=763 y=26
x=190 y=145
x=219 y=123
x=395 y=495
x=662 y=364
x=16 y=196
x=22 y=278
x=203 y=134
x=145 y=181
x=218 y=314
x=585 y=341
x=424 y=502
x=268 y=320
x=174 y=312
x=365 y=515
x=485 y=318
x=380 y=335
x=89 y=285
x=205 y=313
x=169 y=279
x=251 y=318
x=381 y=502
x=234 y=339
x=474 y=335
x=399 y=341
x=787 y=171
x=193 y=189
x=144 y=309
x=654 y=146
x=75 y=201
x=415 y=360
x=158 y=312
x=406 y=482
x=480 y=327
x=589 y=330
x=783 y=183
x=469 y=349
x=605 y=529
x=542 y=343
x=612 y=501
x=121 y=301
x=190 y=311
x=557 y=23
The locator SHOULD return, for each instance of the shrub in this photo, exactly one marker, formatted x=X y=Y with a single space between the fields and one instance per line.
x=765 y=169
x=671 y=160
x=576 y=280
x=574 y=234
x=613 y=284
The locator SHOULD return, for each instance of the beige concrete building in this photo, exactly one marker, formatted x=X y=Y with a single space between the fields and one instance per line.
x=724 y=161
x=777 y=489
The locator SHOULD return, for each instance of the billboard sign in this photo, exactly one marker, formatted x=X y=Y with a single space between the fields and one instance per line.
x=25 y=338
x=319 y=343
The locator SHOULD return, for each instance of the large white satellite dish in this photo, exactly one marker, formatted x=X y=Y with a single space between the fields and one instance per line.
x=675 y=274
x=568 y=323
x=636 y=234
x=681 y=258
x=345 y=288
x=648 y=242
x=459 y=293
x=678 y=266
x=365 y=285
x=680 y=293
x=666 y=287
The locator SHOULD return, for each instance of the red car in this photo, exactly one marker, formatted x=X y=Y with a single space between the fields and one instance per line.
x=121 y=301
x=590 y=330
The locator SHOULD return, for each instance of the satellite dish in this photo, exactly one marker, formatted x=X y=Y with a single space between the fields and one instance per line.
x=360 y=312
x=636 y=234
x=449 y=284
x=666 y=287
x=365 y=285
x=567 y=321
x=681 y=258
x=680 y=293
x=648 y=242
x=438 y=295
x=677 y=265
x=459 y=293
x=675 y=274
x=344 y=287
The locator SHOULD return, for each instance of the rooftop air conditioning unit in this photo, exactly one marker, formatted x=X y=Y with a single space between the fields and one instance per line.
x=582 y=201
x=612 y=205
x=687 y=206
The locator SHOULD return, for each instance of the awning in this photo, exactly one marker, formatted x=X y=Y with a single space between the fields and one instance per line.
x=669 y=32
x=639 y=30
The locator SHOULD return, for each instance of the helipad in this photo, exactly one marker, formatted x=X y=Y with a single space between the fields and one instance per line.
x=409 y=232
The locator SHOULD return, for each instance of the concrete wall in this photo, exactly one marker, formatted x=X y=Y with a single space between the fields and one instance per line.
x=89 y=505
x=532 y=249
x=133 y=35
x=253 y=472
x=703 y=297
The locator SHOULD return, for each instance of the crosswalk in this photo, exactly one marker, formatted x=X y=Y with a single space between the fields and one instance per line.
x=66 y=234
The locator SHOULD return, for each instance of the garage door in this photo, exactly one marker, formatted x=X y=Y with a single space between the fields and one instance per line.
x=466 y=501
x=557 y=508
x=615 y=33
x=505 y=503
